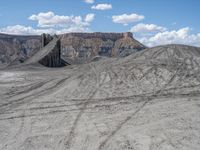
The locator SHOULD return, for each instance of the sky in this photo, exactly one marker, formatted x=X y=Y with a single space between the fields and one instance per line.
x=152 y=22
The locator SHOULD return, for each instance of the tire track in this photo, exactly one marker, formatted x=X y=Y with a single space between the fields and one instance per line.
x=26 y=89
x=128 y=118
x=18 y=102
x=67 y=111
x=68 y=142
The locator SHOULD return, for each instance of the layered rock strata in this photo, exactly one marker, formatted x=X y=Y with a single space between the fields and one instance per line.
x=75 y=47
x=49 y=55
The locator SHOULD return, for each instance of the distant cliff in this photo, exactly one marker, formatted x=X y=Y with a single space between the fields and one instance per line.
x=75 y=47
x=82 y=47
x=16 y=49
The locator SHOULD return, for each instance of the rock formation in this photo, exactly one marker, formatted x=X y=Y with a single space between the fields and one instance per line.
x=75 y=47
x=83 y=47
x=53 y=59
x=45 y=39
x=50 y=53
x=16 y=49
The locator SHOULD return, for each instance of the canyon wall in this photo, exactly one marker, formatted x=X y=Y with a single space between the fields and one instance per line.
x=83 y=47
x=50 y=53
x=16 y=49
x=75 y=47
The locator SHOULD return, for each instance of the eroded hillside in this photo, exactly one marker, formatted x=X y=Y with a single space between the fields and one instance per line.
x=148 y=100
x=76 y=48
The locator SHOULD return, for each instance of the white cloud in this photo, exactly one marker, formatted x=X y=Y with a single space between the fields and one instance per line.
x=89 y=1
x=102 y=7
x=50 y=23
x=125 y=19
x=23 y=30
x=49 y=19
x=144 y=28
x=27 y=30
x=181 y=36
x=89 y=17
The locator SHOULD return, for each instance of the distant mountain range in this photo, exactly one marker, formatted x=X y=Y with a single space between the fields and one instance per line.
x=75 y=47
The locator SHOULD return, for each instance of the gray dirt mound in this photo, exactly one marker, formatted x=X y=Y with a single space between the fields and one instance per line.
x=148 y=100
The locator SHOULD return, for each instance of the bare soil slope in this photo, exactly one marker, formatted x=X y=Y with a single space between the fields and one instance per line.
x=146 y=101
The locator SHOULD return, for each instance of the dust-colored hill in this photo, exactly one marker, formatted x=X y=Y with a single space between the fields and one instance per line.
x=148 y=100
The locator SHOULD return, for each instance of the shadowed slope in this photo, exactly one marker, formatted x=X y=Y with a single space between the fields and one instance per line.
x=48 y=56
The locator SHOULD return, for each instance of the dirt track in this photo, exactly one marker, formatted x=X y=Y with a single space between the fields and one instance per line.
x=141 y=102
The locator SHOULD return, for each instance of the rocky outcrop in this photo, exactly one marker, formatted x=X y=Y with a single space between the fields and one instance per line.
x=83 y=47
x=16 y=49
x=53 y=58
x=46 y=39
x=75 y=47
x=49 y=55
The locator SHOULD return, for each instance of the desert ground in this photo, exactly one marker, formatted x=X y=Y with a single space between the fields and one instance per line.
x=149 y=100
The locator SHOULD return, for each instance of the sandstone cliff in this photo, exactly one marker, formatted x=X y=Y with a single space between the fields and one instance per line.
x=50 y=53
x=83 y=47
x=17 y=49
x=75 y=47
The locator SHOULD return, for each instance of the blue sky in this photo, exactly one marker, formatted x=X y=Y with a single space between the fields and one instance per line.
x=152 y=22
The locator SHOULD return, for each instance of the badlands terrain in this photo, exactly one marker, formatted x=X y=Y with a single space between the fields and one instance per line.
x=149 y=100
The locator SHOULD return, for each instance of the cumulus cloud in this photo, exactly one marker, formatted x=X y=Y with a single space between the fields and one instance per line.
x=181 y=36
x=89 y=18
x=54 y=24
x=125 y=19
x=144 y=28
x=102 y=7
x=28 y=30
x=23 y=30
x=89 y=1
x=49 y=19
